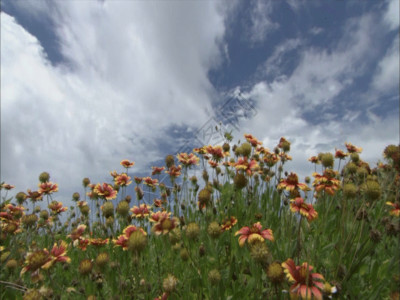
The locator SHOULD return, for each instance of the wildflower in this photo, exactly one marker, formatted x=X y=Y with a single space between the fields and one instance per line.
x=98 y=241
x=349 y=191
x=175 y=235
x=137 y=241
x=307 y=210
x=228 y=223
x=35 y=195
x=314 y=160
x=292 y=183
x=284 y=144
x=213 y=164
x=106 y=191
x=141 y=212
x=352 y=149
x=254 y=233
x=216 y=152
x=270 y=159
x=139 y=193
x=126 y=234
x=246 y=166
x=32 y=294
x=11 y=264
x=6 y=186
x=174 y=171
x=47 y=188
x=396 y=209
x=188 y=159
x=371 y=189
x=157 y=170
x=252 y=140
x=340 y=154
x=150 y=182
x=204 y=197
x=305 y=283
x=123 y=180
x=169 y=161
x=77 y=232
x=58 y=254
x=127 y=164
x=57 y=207
x=157 y=202
x=123 y=208
x=327 y=160
x=163 y=222
x=29 y=220
x=259 y=252
x=275 y=273
x=192 y=231
x=36 y=260
x=102 y=259
x=326 y=182
x=20 y=197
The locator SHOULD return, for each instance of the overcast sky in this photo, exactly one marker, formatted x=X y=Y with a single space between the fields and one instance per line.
x=85 y=84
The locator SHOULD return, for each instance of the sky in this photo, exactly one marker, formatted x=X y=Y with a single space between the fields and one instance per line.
x=86 y=84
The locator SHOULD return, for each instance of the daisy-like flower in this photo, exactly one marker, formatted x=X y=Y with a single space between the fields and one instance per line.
x=292 y=183
x=216 y=152
x=16 y=211
x=127 y=164
x=57 y=207
x=314 y=160
x=201 y=150
x=305 y=209
x=150 y=182
x=122 y=239
x=213 y=164
x=163 y=222
x=254 y=233
x=36 y=260
x=352 y=149
x=305 y=283
x=141 y=212
x=123 y=179
x=98 y=241
x=270 y=159
x=106 y=191
x=34 y=196
x=47 y=187
x=396 y=209
x=340 y=154
x=138 y=180
x=77 y=232
x=228 y=223
x=114 y=174
x=58 y=254
x=246 y=166
x=188 y=159
x=81 y=243
x=174 y=171
x=326 y=182
x=157 y=170
x=6 y=186
x=157 y=202
x=81 y=203
x=252 y=140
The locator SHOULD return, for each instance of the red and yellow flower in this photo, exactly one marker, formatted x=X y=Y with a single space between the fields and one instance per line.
x=123 y=179
x=396 y=209
x=47 y=187
x=188 y=159
x=34 y=196
x=106 y=191
x=98 y=241
x=305 y=283
x=58 y=254
x=252 y=140
x=246 y=166
x=157 y=170
x=174 y=171
x=163 y=222
x=305 y=209
x=6 y=186
x=352 y=149
x=142 y=211
x=228 y=223
x=216 y=152
x=77 y=232
x=127 y=164
x=292 y=183
x=253 y=234
x=122 y=239
x=326 y=182
x=57 y=207
x=150 y=182
x=340 y=154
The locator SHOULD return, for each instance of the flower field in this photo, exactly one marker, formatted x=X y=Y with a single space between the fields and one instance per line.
x=248 y=228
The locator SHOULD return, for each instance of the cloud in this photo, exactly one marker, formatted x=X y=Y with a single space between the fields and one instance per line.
x=124 y=82
x=391 y=15
x=261 y=23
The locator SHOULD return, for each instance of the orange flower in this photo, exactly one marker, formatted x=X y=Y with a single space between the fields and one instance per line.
x=340 y=154
x=36 y=260
x=396 y=209
x=270 y=159
x=245 y=165
x=164 y=223
x=326 y=182
x=305 y=284
x=292 y=183
x=252 y=140
x=157 y=170
x=47 y=188
x=254 y=233
x=127 y=164
x=138 y=180
x=213 y=164
x=98 y=241
x=352 y=149
x=174 y=171
x=216 y=152
x=77 y=232
x=106 y=191
x=188 y=159
x=123 y=179
x=314 y=160
x=6 y=186
x=157 y=202
x=150 y=182
x=307 y=210
x=228 y=223
x=34 y=196
x=57 y=207
x=141 y=212
x=58 y=254
x=201 y=150
x=114 y=174
x=122 y=240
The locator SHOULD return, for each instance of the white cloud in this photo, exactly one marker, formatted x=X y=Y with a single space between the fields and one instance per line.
x=133 y=69
x=391 y=16
x=261 y=23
